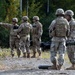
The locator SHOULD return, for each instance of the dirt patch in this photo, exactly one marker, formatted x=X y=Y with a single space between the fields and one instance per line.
x=2 y=67
x=24 y=66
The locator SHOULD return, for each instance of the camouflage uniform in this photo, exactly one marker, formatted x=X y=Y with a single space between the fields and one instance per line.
x=24 y=33
x=36 y=35
x=71 y=48
x=58 y=35
x=14 y=41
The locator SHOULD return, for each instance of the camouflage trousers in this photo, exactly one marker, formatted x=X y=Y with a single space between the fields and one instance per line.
x=14 y=43
x=57 y=47
x=71 y=53
x=36 y=44
x=25 y=44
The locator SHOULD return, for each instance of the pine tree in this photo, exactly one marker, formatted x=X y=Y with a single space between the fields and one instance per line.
x=12 y=9
x=34 y=8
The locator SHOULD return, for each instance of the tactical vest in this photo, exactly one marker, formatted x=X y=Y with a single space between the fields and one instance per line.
x=13 y=30
x=35 y=30
x=60 y=27
x=26 y=29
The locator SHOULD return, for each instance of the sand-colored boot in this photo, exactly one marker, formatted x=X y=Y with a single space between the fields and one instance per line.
x=39 y=55
x=18 y=53
x=12 y=55
x=34 y=55
x=28 y=55
x=54 y=66
x=24 y=55
x=59 y=67
x=71 y=68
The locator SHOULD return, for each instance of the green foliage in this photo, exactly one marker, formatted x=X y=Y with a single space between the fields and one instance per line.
x=46 y=20
x=4 y=37
x=2 y=9
x=4 y=52
x=12 y=9
x=34 y=8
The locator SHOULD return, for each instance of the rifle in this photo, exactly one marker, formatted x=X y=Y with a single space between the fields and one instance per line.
x=70 y=42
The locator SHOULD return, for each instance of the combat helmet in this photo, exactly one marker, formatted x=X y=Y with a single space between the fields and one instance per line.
x=69 y=12
x=36 y=18
x=59 y=11
x=25 y=18
x=15 y=20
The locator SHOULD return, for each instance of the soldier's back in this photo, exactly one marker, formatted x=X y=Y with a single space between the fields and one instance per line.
x=61 y=27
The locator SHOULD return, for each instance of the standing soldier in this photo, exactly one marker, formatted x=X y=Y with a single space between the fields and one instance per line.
x=14 y=41
x=71 y=48
x=58 y=30
x=24 y=33
x=36 y=36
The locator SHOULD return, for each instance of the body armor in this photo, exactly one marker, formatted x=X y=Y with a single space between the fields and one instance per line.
x=60 y=27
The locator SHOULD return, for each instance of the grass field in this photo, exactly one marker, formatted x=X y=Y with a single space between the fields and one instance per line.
x=5 y=55
x=6 y=52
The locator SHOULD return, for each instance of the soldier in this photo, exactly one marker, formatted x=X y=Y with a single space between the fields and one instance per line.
x=57 y=30
x=36 y=36
x=24 y=33
x=71 y=48
x=14 y=41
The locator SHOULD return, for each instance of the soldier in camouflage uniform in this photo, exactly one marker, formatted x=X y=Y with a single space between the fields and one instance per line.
x=36 y=36
x=24 y=33
x=71 y=49
x=57 y=30
x=14 y=41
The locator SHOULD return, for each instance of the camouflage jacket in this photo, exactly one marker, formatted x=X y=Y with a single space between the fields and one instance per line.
x=37 y=29
x=24 y=29
x=11 y=27
x=53 y=24
x=72 y=28
x=51 y=28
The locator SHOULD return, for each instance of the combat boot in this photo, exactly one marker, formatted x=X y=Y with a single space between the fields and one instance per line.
x=12 y=55
x=54 y=66
x=72 y=67
x=18 y=53
x=28 y=55
x=59 y=67
x=24 y=55
x=39 y=55
x=34 y=55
